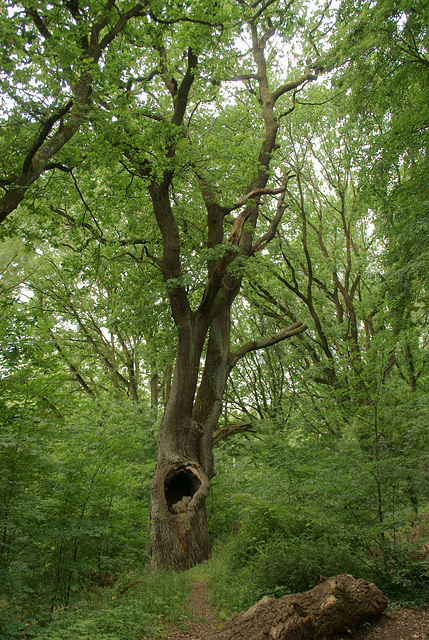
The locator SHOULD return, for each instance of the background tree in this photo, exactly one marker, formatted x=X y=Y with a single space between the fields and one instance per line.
x=51 y=60
x=387 y=73
x=350 y=370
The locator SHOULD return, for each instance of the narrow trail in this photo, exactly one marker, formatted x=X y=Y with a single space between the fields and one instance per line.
x=203 y=619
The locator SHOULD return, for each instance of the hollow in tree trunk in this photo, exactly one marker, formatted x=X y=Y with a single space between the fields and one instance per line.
x=179 y=521
x=185 y=463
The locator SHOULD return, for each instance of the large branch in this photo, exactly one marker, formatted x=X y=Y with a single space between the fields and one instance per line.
x=253 y=345
x=240 y=236
x=46 y=146
x=44 y=133
x=181 y=100
x=290 y=86
x=272 y=229
x=265 y=5
x=222 y=433
x=171 y=246
x=134 y=12
x=267 y=104
x=169 y=81
x=171 y=263
x=255 y=193
x=39 y=23
x=218 y=270
x=267 y=237
x=215 y=211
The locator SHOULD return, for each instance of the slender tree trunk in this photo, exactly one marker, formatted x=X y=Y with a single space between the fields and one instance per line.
x=154 y=381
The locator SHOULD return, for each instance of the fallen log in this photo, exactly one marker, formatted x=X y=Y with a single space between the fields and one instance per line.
x=333 y=606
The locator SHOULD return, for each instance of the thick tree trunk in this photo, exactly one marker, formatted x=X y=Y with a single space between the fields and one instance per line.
x=185 y=461
x=178 y=516
x=334 y=605
x=185 y=442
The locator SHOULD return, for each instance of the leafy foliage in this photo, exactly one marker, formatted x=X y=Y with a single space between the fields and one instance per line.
x=74 y=502
x=138 y=611
x=309 y=508
x=133 y=137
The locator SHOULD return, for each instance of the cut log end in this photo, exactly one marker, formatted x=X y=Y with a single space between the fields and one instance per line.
x=336 y=604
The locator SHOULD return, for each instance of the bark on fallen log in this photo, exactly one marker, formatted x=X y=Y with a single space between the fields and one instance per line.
x=336 y=604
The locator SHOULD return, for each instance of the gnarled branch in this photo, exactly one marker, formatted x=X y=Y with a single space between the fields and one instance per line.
x=253 y=345
x=256 y=193
x=290 y=86
x=222 y=433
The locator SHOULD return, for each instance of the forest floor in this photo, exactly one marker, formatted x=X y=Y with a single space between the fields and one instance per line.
x=397 y=624
x=204 y=619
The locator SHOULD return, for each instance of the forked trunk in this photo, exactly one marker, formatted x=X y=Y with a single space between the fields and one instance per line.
x=185 y=463
x=185 y=443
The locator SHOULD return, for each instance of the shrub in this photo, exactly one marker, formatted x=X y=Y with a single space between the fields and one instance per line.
x=276 y=552
x=402 y=572
x=141 y=612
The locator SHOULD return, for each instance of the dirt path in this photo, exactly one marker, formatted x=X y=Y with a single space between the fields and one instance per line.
x=401 y=624
x=203 y=620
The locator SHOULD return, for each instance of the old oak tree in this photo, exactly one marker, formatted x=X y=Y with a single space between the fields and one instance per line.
x=174 y=112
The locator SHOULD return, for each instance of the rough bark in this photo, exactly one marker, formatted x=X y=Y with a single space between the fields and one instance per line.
x=336 y=604
x=178 y=516
x=184 y=467
x=185 y=447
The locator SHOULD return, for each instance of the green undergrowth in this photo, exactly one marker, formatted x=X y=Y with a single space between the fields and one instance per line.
x=282 y=516
x=278 y=549
x=140 y=612
x=278 y=566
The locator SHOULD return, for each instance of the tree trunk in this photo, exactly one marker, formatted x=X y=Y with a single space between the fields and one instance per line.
x=333 y=606
x=185 y=442
x=185 y=459
x=185 y=462
x=178 y=516
x=154 y=391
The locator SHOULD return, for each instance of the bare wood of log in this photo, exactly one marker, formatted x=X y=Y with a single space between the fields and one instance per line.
x=336 y=604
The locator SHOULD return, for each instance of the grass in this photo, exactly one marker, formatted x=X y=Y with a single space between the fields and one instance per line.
x=140 y=612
